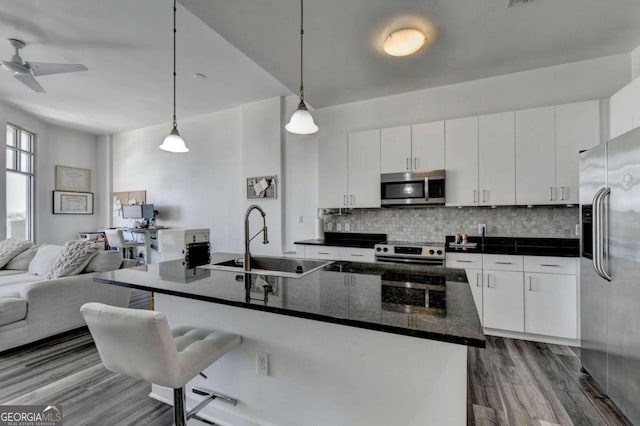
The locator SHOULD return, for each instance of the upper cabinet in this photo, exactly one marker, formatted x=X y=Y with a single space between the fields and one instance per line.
x=412 y=148
x=461 y=153
x=496 y=151
x=624 y=109
x=536 y=156
x=349 y=170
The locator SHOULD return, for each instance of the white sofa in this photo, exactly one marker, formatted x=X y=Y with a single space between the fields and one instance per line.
x=33 y=308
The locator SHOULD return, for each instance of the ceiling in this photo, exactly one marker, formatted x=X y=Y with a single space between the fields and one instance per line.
x=249 y=49
x=127 y=46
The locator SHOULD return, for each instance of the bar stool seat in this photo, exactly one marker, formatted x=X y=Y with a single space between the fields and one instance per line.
x=140 y=344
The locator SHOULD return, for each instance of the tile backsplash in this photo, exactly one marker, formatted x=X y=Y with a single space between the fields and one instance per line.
x=433 y=223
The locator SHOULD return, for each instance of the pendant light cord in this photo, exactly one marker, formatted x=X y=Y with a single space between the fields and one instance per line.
x=175 y=123
x=301 y=50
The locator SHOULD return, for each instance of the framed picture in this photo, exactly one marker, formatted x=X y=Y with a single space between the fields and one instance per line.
x=261 y=187
x=65 y=202
x=73 y=179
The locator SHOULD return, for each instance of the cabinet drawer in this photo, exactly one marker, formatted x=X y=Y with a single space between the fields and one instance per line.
x=353 y=254
x=464 y=260
x=551 y=265
x=323 y=252
x=502 y=262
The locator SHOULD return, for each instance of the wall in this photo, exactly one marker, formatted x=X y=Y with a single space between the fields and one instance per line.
x=199 y=189
x=579 y=81
x=434 y=223
x=635 y=63
x=55 y=145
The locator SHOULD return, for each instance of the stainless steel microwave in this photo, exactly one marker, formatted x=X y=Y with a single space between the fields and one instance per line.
x=412 y=189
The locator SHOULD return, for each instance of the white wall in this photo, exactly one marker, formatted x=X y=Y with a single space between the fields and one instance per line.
x=579 y=81
x=55 y=145
x=199 y=189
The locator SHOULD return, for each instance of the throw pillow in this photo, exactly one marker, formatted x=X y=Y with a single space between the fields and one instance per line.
x=11 y=248
x=73 y=258
x=105 y=260
x=21 y=262
x=43 y=259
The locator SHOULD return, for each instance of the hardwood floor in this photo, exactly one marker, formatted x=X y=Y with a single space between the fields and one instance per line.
x=518 y=382
x=511 y=382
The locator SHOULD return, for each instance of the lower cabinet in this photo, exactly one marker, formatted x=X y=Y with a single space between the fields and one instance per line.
x=550 y=305
x=350 y=254
x=503 y=300
x=351 y=295
x=474 y=277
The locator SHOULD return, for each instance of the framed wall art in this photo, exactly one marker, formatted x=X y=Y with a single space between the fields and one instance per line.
x=73 y=179
x=262 y=187
x=66 y=202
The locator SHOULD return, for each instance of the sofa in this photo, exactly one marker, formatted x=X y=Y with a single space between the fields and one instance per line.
x=39 y=298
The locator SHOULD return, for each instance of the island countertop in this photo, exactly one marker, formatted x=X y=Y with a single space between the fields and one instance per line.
x=419 y=301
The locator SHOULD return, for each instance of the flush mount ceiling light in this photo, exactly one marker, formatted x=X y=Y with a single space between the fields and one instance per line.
x=404 y=42
x=174 y=142
x=301 y=121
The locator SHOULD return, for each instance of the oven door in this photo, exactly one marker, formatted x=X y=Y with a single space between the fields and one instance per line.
x=409 y=260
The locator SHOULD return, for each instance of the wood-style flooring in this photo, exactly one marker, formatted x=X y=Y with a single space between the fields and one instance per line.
x=511 y=382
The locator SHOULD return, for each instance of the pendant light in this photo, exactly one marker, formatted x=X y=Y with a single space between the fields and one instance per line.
x=301 y=121
x=174 y=142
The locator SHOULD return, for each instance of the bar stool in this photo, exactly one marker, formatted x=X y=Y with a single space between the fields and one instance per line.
x=140 y=344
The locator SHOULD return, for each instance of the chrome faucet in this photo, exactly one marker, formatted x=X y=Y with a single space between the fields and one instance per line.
x=247 y=240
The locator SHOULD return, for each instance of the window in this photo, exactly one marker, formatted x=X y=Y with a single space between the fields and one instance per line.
x=20 y=178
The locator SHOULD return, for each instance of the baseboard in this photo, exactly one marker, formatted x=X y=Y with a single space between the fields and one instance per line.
x=533 y=337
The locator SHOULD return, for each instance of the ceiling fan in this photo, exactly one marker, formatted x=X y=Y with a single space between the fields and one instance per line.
x=26 y=72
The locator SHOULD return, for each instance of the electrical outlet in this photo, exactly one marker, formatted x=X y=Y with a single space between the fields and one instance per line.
x=347 y=227
x=338 y=226
x=577 y=229
x=262 y=363
x=482 y=229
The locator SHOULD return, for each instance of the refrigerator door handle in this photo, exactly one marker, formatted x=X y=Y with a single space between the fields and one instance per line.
x=604 y=233
x=596 y=232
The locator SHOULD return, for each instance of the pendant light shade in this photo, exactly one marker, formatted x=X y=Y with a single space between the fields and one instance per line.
x=301 y=121
x=174 y=142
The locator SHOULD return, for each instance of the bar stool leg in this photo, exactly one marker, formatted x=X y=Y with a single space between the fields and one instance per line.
x=179 y=408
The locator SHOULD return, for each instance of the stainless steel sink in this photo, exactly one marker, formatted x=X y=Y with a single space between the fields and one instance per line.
x=276 y=266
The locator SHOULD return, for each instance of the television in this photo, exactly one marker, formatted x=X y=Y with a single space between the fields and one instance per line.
x=132 y=211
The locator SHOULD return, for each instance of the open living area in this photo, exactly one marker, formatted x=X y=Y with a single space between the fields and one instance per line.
x=304 y=212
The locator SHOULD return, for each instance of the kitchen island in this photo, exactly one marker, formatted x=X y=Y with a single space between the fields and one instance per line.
x=348 y=344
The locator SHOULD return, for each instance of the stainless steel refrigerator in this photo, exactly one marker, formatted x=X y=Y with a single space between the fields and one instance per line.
x=610 y=269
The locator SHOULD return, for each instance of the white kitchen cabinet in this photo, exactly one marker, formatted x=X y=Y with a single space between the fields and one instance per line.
x=364 y=169
x=503 y=300
x=461 y=157
x=322 y=252
x=577 y=129
x=621 y=109
x=333 y=171
x=551 y=305
x=502 y=262
x=535 y=156
x=497 y=168
x=356 y=254
x=349 y=170
x=349 y=254
x=395 y=150
x=474 y=277
x=464 y=260
x=427 y=146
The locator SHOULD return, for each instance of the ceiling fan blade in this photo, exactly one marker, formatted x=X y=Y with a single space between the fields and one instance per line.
x=30 y=81
x=44 y=68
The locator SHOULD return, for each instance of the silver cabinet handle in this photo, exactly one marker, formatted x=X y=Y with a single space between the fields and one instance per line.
x=475 y=196
x=484 y=196
x=489 y=281
x=352 y=279
x=503 y=263
x=415 y=163
x=530 y=282
x=357 y=255
x=562 y=188
x=478 y=279
x=344 y=200
x=323 y=252
x=408 y=163
x=346 y=279
x=549 y=265
x=353 y=199
x=551 y=193
x=464 y=261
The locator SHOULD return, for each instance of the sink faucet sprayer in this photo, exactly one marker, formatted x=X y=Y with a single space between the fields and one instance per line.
x=247 y=240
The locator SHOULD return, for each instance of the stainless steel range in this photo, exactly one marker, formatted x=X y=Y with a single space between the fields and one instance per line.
x=424 y=253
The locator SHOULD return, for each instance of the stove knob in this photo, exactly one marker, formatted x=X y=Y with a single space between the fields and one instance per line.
x=439 y=252
x=431 y=251
x=378 y=249
x=385 y=249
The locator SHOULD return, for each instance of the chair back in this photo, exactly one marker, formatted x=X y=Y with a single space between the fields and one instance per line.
x=134 y=342
x=115 y=238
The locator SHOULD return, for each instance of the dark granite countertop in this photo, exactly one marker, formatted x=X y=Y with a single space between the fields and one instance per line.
x=523 y=246
x=347 y=239
x=419 y=301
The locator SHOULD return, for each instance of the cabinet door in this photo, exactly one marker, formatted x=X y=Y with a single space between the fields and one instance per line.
x=461 y=157
x=621 y=111
x=332 y=171
x=322 y=252
x=356 y=254
x=577 y=129
x=334 y=293
x=474 y=277
x=497 y=163
x=395 y=149
x=364 y=169
x=503 y=300
x=535 y=156
x=427 y=146
x=365 y=295
x=551 y=305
